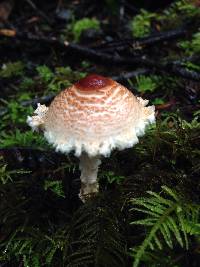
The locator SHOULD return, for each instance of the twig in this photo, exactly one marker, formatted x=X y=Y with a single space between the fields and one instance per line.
x=39 y=11
x=128 y=75
x=143 y=42
x=32 y=102
x=90 y=53
x=194 y=58
x=41 y=100
x=109 y=58
x=105 y=58
x=131 y=7
x=121 y=10
x=184 y=73
x=59 y=5
x=157 y=67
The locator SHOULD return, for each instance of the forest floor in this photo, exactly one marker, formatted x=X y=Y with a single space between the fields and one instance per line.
x=148 y=210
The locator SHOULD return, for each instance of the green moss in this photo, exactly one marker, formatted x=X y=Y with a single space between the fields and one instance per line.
x=45 y=73
x=158 y=101
x=27 y=83
x=55 y=186
x=174 y=16
x=6 y=174
x=12 y=69
x=141 y=23
x=84 y=24
x=61 y=78
x=191 y=66
x=111 y=177
x=181 y=8
x=16 y=113
x=192 y=46
x=20 y=138
x=146 y=83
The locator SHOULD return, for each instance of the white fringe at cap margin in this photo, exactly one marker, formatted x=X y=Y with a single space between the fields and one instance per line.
x=37 y=121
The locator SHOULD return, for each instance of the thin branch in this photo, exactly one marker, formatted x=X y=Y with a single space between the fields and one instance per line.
x=184 y=73
x=131 y=74
x=104 y=58
x=143 y=42
x=41 y=100
x=44 y=16
x=89 y=53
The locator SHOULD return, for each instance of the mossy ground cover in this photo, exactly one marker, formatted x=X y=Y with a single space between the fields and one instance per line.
x=148 y=211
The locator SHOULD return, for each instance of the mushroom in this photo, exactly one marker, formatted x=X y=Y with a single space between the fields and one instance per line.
x=91 y=118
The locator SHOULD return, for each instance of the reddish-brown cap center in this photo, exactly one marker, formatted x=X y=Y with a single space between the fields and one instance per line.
x=93 y=82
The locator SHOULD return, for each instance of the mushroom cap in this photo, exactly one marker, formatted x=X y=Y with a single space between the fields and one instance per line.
x=96 y=115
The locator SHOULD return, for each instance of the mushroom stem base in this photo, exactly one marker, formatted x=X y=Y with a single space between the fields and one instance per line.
x=89 y=169
x=88 y=190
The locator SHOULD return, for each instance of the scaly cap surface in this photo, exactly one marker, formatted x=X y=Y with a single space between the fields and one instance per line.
x=96 y=115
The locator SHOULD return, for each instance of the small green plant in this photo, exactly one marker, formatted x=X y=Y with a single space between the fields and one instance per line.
x=158 y=101
x=167 y=218
x=185 y=8
x=194 y=124
x=6 y=175
x=84 y=24
x=27 y=83
x=177 y=14
x=91 y=236
x=16 y=113
x=12 y=69
x=191 y=66
x=68 y=166
x=19 y=138
x=35 y=248
x=197 y=114
x=147 y=83
x=111 y=177
x=55 y=186
x=45 y=74
x=62 y=78
x=192 y=46
x=174 y=135
x=68 y=75
x=141 y=23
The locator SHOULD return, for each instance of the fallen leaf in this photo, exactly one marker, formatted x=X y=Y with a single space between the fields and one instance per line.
x=33 y=20
x=8 y=32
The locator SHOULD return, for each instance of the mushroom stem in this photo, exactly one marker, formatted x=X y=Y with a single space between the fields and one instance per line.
x=89 y=169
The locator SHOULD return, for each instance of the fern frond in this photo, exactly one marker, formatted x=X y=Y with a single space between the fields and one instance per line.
x=96 y=238
x=168 y=218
